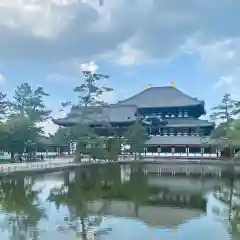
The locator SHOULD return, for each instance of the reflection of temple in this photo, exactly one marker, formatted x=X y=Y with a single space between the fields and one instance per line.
x=157 y=201
x=151 y=215
x=173 y=201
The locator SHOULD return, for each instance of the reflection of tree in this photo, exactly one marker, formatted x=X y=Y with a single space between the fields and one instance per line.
x=135 y=190
x=226 y=193
x=95 y=184
x=235 y=223
x=229 y=196
x=76 y=194
x=20 y=204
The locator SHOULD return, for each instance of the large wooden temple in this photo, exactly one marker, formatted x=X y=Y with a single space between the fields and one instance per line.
x=178 y=131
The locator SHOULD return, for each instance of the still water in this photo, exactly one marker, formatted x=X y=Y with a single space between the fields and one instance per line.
x=116 y=202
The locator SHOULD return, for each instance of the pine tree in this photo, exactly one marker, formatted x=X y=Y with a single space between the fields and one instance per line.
x=88 y=111
x=29 y=102
x=226 y=113
x=226 y=110
x=3 y=106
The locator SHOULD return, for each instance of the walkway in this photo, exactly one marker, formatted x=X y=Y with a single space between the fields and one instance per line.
x=33 y=166
x=61 y=162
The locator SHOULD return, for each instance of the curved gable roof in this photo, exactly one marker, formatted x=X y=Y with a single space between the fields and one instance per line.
x=161 y=97
x=112 y=114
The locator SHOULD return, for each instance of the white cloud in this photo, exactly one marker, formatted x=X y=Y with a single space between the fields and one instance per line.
x=60 y=30
x=90 y=66
x=48 y=127
x=128 y=55
x=218 y=54
x=230 y=84
x=224 y=81
x=2 y=78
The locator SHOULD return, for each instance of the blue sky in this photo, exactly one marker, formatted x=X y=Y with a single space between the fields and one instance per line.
x=194 y=44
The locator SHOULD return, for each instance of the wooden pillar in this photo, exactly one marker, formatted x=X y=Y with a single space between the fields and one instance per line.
x=173 y=150
x=58 y=151
x=159 y=150
x=202 y=151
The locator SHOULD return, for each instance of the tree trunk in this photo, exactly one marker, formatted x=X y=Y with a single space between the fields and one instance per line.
x=84 y=234
x=136 y=209
x=12 y=156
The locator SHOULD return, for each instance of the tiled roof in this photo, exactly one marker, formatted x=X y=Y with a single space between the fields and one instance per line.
x=112 y=114
x=175 y=140
x=161 y=97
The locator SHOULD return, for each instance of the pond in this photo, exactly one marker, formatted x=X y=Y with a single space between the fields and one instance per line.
x=115 y=202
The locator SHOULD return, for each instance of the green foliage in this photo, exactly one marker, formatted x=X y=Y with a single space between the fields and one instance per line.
x=226 y=110
x=136 y=136
x=87 y=110
x=21 y=115
x=17 y=133
x=229 y=129
x=220 y=131
x=113 y=148
x=90 y=92
x=29 y=103
x=3 y=105
x=63 y=136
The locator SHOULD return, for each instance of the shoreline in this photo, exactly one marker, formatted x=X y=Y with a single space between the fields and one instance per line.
x=170 y=167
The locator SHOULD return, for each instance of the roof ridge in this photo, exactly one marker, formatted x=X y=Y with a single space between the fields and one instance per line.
x=145 y=90
x=160 y=87
x=133 y=96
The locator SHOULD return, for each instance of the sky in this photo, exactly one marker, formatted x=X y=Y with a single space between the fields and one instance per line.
x=195 y=44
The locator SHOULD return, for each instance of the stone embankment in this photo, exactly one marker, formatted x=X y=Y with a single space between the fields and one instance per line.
x=160 y=166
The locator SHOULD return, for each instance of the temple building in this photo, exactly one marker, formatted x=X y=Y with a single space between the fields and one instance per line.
x=178 y=131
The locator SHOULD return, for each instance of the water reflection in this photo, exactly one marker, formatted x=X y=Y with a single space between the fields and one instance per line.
x=118 y=202
x=20 y=204
x=228 y=193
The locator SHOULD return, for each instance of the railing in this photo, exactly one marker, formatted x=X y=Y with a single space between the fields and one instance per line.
x=206 y=155
x=17 y=167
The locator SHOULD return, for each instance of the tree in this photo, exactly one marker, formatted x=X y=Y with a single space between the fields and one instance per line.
x=17 y=133
x=3 y=105
x=227 y=110
x=220 y=131
x=113 y=148
x=29 y=102
x=25 y=110
x=136 y=136
x=89 y=108
x=63 y=136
